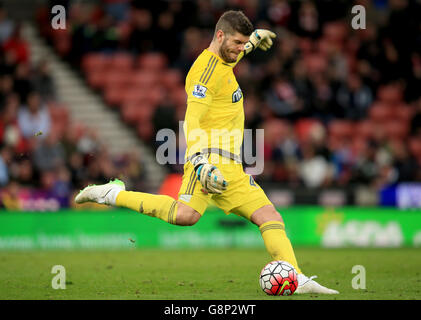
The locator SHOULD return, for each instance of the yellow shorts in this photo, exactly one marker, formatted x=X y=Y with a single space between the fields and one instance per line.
x=242 y=197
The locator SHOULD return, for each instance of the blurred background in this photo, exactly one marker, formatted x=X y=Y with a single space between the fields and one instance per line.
x=341 y=108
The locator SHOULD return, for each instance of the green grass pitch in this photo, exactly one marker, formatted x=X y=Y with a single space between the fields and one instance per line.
x=230 y=274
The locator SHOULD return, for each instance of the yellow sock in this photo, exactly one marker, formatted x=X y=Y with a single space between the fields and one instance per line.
x=160 y=206
x=277 y=243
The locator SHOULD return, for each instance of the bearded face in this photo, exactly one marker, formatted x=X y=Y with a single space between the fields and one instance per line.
x=231 y=46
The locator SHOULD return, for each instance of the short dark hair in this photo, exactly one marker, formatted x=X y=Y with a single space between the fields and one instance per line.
x=234 y=21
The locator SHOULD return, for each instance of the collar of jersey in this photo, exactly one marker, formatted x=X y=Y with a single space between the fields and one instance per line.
x=219 y=58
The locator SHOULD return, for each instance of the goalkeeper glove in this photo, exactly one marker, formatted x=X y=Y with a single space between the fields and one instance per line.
x=260 y=38
x=209 y=176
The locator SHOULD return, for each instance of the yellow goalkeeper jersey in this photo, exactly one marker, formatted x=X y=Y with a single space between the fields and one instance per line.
x=215 y=114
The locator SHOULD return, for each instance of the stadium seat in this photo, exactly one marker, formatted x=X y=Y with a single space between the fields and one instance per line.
x=94 y=61
x=129 y=113
x=134 y=95
x=62 y=41
x=415 y=148
x=114 y=96
x=152 y=61
x=342 y=129
x=402 y=112
x=115 y=78
x=144 y=79
x=133 y=113
x=145 y=130
x=179 y=97
x=156 y=95
x=380 y=112
x=171 y=79
x=390 y=94
x=60 y=118
x=363 y=129
x=396 y=129
x=121 y=62
x=96 y=78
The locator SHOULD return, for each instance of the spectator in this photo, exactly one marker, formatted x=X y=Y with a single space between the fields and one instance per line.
x=10 y=199
x=5 y=158
x=44 y=83
x=314 y=170
x=117 y=9
x=283 y=100
x=167 y=38
x=6 y=26
x=17 y=46
x=10 y=133
x=354 y=98
x=141 y=38
x=307 y=22
x=6 y=89
x=34 y=118
x=49 y=154
x=22 y=82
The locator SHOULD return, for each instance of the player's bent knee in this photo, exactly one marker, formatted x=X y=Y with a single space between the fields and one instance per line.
x=265 y=214
x=186 y=216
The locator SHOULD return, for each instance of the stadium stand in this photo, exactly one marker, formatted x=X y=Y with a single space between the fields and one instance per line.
x=343 y=102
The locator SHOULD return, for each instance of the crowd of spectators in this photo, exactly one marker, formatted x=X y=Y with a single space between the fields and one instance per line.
x=339 y=106
x=44 y=156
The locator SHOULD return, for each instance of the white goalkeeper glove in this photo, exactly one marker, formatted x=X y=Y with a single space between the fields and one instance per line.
x=209 y=176
x=260 y=38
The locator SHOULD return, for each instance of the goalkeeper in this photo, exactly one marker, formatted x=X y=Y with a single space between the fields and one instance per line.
x=214 y=126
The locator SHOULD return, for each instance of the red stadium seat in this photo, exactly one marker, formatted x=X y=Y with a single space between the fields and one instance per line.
x=129 y=113
x=402 y=112
x=156 y=95
x=62 y=42
x=152 y=61
x=145 y=130
x=116 y=78
x=172 y=79
x=364 y=129
x=415 y=148
x=134 y=95
x=96 y=78
x=390 y=94
x=144 y=79
x=342 y=129
x=122 y=62
x=276 y=131
x=179 y=97
x=114 y=96
x=60 y=118
x=94 y=61
x=380 y=112
x=396 y=129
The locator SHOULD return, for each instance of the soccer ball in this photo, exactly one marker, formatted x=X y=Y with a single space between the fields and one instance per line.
x=278 y=278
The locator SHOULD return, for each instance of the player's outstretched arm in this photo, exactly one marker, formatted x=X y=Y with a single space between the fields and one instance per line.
x=209 y=176
x=260 y=38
